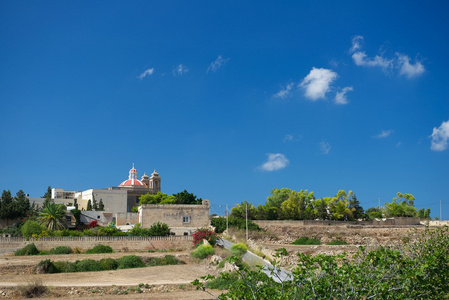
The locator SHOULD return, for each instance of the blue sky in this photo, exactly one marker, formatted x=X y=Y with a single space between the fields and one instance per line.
x=227 y=99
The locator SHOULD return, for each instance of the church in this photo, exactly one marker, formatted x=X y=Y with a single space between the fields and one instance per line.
x=116 y=199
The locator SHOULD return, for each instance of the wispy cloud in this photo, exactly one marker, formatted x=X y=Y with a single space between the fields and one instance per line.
x=401 y=61
x=440 y=137
x=317 y=83
x=408 y=69
x=217 y=64
x=275 y=161
x=284 y=92
x=180 y=70
x=146 y=73
x=384 y=134
x=325 y=147
x=340 y=96
x=291 y=138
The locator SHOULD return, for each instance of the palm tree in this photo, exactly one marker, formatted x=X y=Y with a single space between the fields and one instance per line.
x=52 y=216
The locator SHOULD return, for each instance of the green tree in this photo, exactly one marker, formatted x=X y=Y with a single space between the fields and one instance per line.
x=89 y=205
x=101 y=205
x=159 y=198
x=52 y=216
x=94 y=203
x=31 y=227
x=159 y=229
x=185 y=197
x=239 y=211
x=7 y=210
x=374 y=213
x=47 y=196
x=355 y=206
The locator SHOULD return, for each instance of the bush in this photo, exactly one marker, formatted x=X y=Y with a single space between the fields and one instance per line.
x=32 y=290
x=205 y=234
x=239 y=249
x=306 y=241
x=88 y=265
x=159 y=229
x=158 y=261
x=109 y=263
x=29 y=249
x=45 y=266
x=203 y=251
x=337 y=242
x=64 y=266
x=223 y=282
x=100 y=249
x=61 y=250
x=130 y=261
x=31 y=227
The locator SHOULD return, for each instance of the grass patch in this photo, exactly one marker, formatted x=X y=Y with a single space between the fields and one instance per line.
x=306 y=241
x=203 y=251
x=337 y=242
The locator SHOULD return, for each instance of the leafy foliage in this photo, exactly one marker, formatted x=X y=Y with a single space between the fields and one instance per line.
x=100 y=249
x=203 y=251
x=239 y=249
x=220 y=224
x=306 y=241
x=52 y=216
x=29 y=249
x=337 y=243
x=415 y=270
x=14 y=207
x=31 y=227
x=205 y=234
x=130 y=261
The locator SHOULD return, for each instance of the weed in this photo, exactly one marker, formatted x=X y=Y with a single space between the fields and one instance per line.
x=203 y=251
x=337 y=242
x=306 y=241
x=32 y=289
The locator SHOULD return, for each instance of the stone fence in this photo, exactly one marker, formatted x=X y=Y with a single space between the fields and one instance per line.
x=83 y=243
x=395 y=222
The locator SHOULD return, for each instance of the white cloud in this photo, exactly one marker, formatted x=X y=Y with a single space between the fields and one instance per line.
x=317 y=83
x=284 y=92
x=384 y=134
x=146 y=73
x=340 y=97
x=407 y=69
x=440 y=137
x=288 y=138
x=216 y=64
x=180 y=70
x=401 y=62
x=325 y=147
x=275 y=161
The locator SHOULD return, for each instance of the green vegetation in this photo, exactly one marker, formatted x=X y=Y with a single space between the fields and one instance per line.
x=306 y=241
x=90 y=265
x=183 y=197
x=100 y=249
x=157 y=229
x=52 y=216
x=203 y=251
x=414 y=270
x=30 y=228
x=29 y=249
x=205 y=234
x=337 y=242
x=14 y=207
x=235 y=222
x=239 y=249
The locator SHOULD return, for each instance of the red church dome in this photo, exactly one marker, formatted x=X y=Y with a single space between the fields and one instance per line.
x=132 y=180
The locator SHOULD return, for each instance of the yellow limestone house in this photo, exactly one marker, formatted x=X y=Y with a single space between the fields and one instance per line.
x=183 y=219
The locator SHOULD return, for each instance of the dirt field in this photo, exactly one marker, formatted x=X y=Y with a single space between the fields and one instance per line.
x=160 y=282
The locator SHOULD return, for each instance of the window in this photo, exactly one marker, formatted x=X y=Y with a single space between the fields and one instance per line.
x=185 y=219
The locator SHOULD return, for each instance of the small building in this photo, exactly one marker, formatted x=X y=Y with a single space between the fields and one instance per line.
x=183 y=219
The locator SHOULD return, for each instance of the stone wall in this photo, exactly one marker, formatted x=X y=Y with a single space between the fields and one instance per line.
x=126 y=219
x=300 y=223
x=116 y=243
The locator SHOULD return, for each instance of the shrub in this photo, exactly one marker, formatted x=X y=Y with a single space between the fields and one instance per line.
x=205 y=234
x=100 y=249
x=32 y=290
x=159 y=229
x=337 y=242
x=45 y=266
x=61 y=250
x=239 y=249
x=109 y=263
x=110 y=231
x=29 y=249
x=203 y=251
x=130 y=261
x=170 y=260
x=31 y=227
x=224 y=281
x=158 y=261
x=306 y=241
x=64 y=266
x=88 y=265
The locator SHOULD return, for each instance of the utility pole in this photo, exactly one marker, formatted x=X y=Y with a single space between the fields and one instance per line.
x=227 y=220
x=246 y=212
x=379 y=205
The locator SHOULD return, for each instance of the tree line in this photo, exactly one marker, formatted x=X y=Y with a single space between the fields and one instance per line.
x=287 y=204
